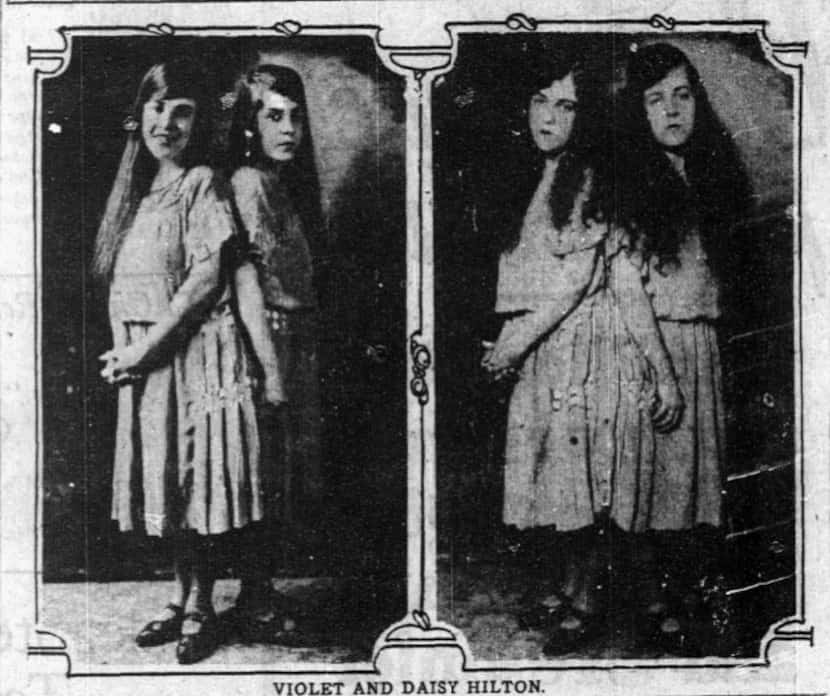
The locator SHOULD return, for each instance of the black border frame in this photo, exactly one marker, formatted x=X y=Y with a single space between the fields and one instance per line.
x=417 y=64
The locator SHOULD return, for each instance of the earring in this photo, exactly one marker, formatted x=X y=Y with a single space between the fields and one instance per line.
x=249 y=136
x=130 y=124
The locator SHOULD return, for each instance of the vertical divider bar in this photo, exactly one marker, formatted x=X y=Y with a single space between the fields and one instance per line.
x=416 y=548
x=428 y=491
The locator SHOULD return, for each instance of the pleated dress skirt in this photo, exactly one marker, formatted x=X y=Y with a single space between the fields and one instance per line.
x=187 y=452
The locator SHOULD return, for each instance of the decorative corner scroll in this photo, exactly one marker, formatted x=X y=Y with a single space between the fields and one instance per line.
x=163 y=29
x=421 y=362
x=420 y=630
x=787 y=630
x=658 y=21
x=56 y=58
x=417 y=631
x=521 y=22
x=46 y=644
x=288 y=28
x=422 y=619
x=420 y=63
x=786 y=57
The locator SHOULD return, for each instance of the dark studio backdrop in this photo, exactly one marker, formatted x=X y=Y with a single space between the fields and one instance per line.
x=472 y=119
x=356 y=116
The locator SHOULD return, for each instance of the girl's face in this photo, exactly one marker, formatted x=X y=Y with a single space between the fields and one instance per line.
x=166 y=126
x=280 y=125
x=670 y=108
x=552 y=113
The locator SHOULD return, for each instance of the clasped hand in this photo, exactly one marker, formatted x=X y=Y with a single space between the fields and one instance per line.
x=501 y=358
x=122 y=365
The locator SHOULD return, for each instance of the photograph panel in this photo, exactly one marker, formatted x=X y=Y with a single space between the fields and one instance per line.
x=246 y=428
x=614 y=272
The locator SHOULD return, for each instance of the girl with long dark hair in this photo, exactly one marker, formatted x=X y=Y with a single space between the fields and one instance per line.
x=686 y=187
x=187 y=443
x=592 y=378
x=277 y=196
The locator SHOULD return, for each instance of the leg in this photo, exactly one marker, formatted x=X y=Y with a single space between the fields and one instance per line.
x=166 y=627
x=200 y=636
x=258 y=541
x=660 y=627
x=254 y=567
x=543 y=562
x=183 y=544
x=696 y=594
x=647 y=575
x=585 y=566
x=259 y=608
x=204 y=577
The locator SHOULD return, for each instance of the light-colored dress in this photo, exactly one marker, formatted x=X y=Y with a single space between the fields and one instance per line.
x=281 y=251
x=187 y=446
x=579 y=437
x=688 y=477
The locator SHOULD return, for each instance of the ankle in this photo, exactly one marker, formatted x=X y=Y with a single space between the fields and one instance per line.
x=170 y=610
x=200 y=606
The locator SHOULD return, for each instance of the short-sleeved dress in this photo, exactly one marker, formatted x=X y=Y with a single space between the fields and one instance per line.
x=187 y=446
x=688 y=475
x=579 y=437
x=281 y=252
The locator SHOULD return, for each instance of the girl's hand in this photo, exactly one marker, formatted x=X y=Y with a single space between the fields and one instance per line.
x=668 y=409
x=273 y=393
x=123 y=365
x=509 y=373
x=502 y=357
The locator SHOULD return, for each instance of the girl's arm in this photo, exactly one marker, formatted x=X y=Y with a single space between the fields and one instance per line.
x=636 y=311
x=253 y=315
x=520 y=333
x=256 y=221
x=209 y=227
x=123 y=362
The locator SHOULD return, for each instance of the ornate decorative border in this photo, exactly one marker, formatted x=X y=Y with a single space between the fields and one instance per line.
x=51 y=62
x=421 y=66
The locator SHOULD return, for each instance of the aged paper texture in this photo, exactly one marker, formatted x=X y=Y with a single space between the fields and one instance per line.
x=413 y=348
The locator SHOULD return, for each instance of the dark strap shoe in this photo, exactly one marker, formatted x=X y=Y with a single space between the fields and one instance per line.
x=199 y=638
x=161 y=631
